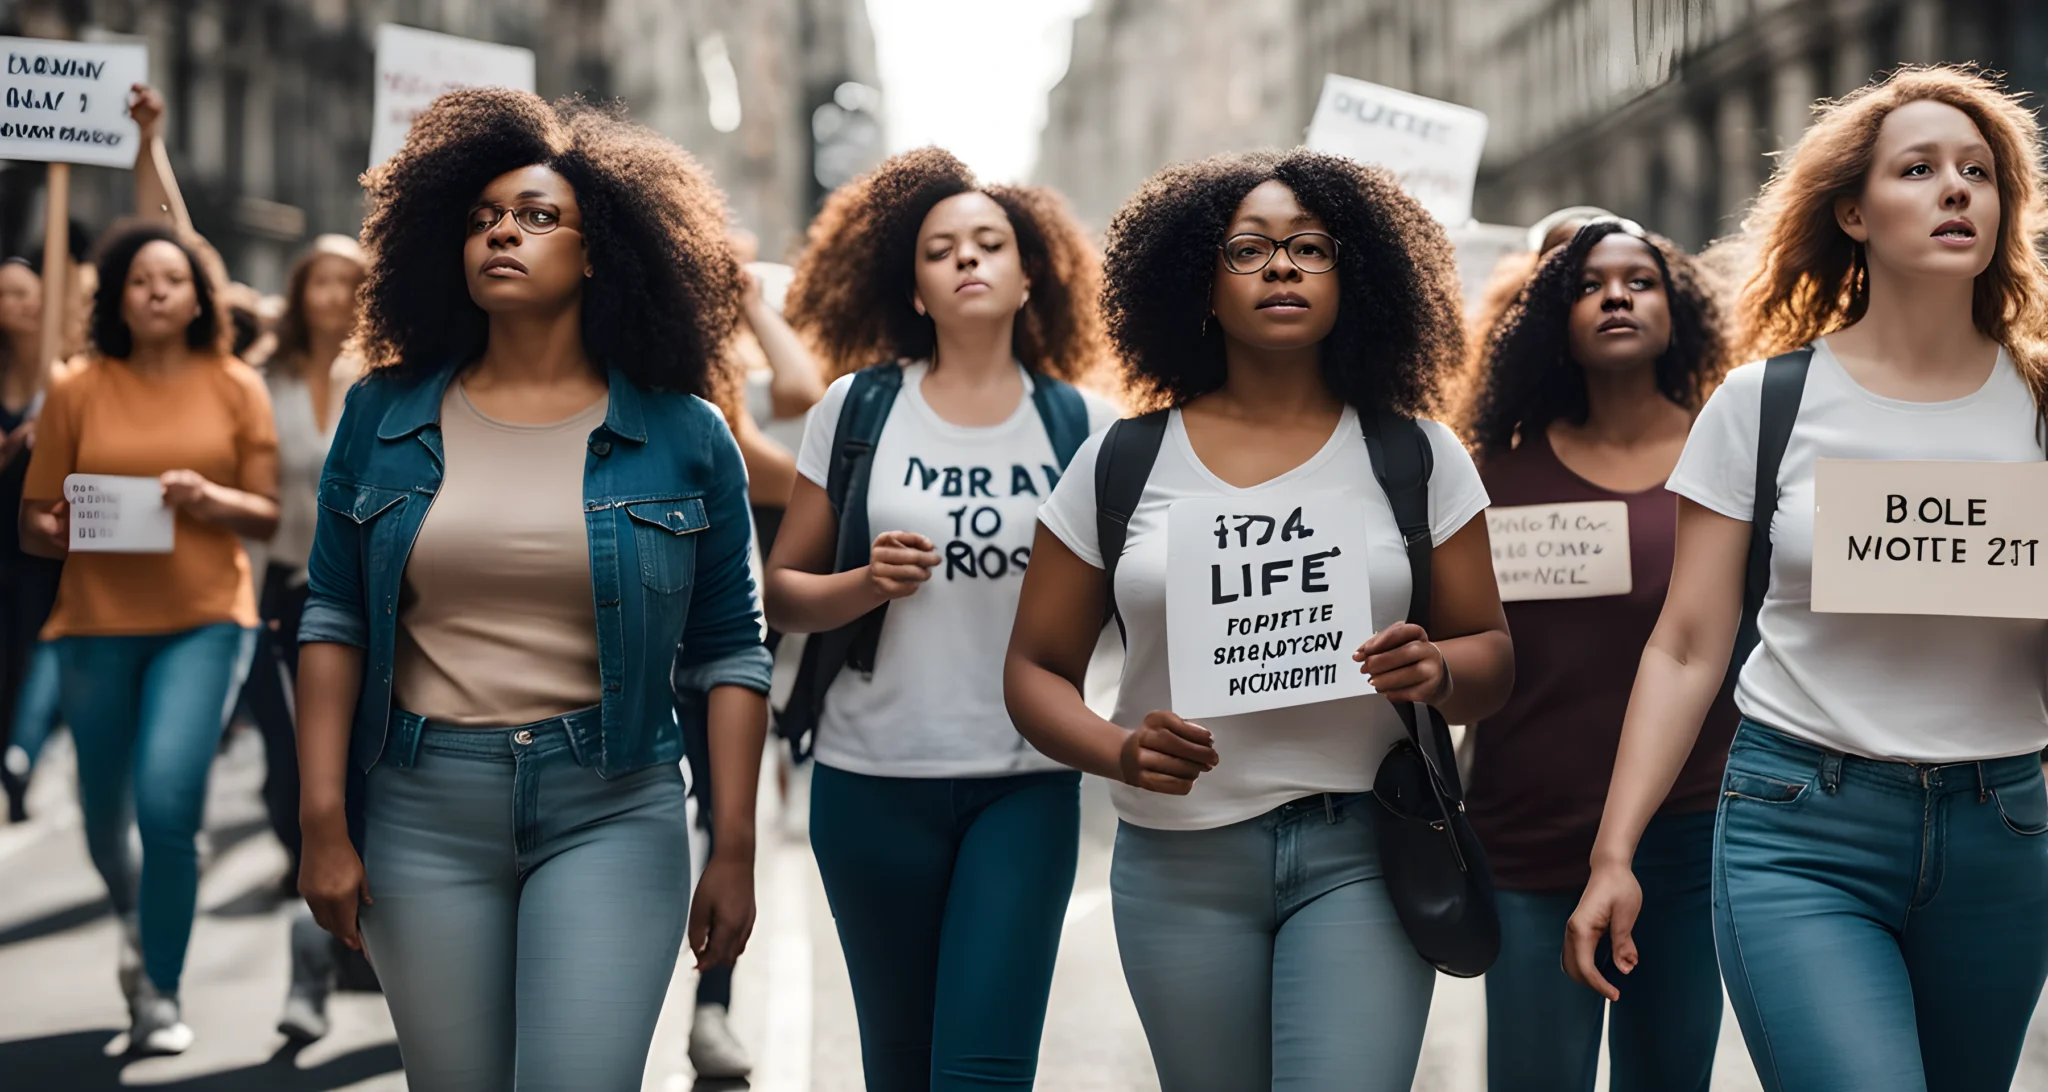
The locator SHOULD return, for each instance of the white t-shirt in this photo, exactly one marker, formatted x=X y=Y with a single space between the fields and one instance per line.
x=1926 y=689
x=934 y=707
x=1265 y=759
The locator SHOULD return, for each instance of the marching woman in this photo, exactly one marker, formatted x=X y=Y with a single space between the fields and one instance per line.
x=524 y=511
x=28 y=584
x=1590 y=385
x=1880 y=866
x=946 y=843
x=1273 y=301
x=151 y=644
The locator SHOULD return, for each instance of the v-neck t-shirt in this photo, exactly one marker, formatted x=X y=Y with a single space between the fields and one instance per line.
x=1267 y=758
x=1920 y=688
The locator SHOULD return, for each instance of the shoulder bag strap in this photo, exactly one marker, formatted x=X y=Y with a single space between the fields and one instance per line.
x=1122 y=466
x=1784 y=385
x=1063 y=412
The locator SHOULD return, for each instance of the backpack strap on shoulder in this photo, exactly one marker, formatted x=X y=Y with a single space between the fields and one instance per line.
x=1063 y=412
x=1122 y=466
x=1784 y=386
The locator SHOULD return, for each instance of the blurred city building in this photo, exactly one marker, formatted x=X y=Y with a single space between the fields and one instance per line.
x=1665 y=110
x=270 y=101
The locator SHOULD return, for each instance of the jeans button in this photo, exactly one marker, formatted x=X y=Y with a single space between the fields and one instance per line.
x=522 y=737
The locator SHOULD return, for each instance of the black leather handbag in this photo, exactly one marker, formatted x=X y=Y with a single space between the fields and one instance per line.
x=1436 y=872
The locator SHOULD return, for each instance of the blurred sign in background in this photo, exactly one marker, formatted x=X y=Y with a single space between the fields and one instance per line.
x=416 y=66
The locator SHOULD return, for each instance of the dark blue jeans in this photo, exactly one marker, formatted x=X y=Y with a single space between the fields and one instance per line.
x=949 y=896
x=147 y=714
x=1882 y=926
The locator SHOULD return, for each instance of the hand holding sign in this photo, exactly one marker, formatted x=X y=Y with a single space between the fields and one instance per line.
x=900 y=562
x=1405 y=665
x=184 y=489
x=1166 y=754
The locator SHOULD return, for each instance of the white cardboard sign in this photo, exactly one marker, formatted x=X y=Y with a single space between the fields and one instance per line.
x=1560 y=551
x=114 y=514
x=1954 y=538
x=1267 y=597
x=1432 y=146
x=414 y=67
x=67 y=102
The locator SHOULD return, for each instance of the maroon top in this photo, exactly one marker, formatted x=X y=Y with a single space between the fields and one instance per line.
x=1541 y=764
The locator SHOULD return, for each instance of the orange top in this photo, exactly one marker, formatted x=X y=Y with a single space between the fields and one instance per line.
x=102 y=417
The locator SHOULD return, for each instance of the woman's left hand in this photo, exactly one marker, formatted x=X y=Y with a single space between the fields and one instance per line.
x=722 y=913
x=1405 y=665
x=185 y=489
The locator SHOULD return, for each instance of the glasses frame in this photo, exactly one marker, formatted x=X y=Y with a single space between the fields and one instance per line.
x=1336 y=249
x=514 y=212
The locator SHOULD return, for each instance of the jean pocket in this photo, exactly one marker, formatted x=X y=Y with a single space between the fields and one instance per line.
x=1743 y=785
x=2024 y=808
x=662 y=535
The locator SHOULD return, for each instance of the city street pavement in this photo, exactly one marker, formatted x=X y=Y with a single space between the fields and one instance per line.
x=60 y=1011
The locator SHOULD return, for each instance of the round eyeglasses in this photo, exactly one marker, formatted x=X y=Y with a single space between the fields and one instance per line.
x=532 y=219
x=1310 y=251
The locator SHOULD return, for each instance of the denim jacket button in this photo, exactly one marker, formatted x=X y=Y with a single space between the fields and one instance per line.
x=601 y=447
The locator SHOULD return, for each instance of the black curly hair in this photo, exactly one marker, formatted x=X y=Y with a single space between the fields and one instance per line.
x=851 y=295
x=665 y=294
x=1529 y=378
x=1398 y=324
x=109 y=329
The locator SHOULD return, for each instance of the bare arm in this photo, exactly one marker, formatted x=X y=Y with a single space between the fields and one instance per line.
x=796 y=382
x=722 y=916
x=45 y=528
x=1464 y=665
x=771 y=469
x=331 y=874
x=804 y=595
x=156 y=187
x=1059 y=617
x=1682 y=670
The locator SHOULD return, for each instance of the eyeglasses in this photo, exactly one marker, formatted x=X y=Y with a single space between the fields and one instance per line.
x=1310 y=251
x=532 y=219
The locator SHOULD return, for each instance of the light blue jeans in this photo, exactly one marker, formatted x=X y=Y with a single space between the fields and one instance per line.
x=1266 y=955
x=146 y=714
x=527 y=913
x=1882 y=926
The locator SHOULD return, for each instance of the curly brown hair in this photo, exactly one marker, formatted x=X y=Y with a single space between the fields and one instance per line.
x=1809 y=277
x=1398 y=332
x=665 y=293
x=1531 y=380
x=851 y=296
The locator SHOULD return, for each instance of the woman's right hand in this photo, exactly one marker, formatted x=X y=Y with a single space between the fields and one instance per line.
x=332 y=881
x=899 y=563
x=1166 y=754
x=1609 y=908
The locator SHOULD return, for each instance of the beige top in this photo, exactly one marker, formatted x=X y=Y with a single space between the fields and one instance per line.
x=497 y=624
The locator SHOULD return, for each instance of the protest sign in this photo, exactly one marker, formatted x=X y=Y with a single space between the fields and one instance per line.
x=1267 y=597
x=67 y=102
x=114 y=514
x=1954 y=538
x=1433 y=147
x=414 y=67
x=1560 y=551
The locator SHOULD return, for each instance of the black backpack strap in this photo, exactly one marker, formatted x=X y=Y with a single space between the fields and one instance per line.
x=1402 y=460
x=1784 y=386
x=862 y=416
x=1122 y=466
x=1063 y=412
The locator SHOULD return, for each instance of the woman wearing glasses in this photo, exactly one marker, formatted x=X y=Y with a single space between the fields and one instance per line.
x=523 y=512
x=1270 y=300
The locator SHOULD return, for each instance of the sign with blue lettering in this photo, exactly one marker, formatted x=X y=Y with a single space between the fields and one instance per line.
x=1431 y=146
x=1267 y=597
x=67 y=102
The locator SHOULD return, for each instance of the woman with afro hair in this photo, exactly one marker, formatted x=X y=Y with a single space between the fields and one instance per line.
x=1273 y=302
x=1880 y=855
x=1590 y=383
x=525 y=510
x=947 y=845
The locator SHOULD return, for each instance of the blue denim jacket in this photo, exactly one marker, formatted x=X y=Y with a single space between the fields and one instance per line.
x=665 y=502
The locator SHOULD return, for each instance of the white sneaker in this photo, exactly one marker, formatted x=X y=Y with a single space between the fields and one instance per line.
x=158 y=1026
x=715 y=1053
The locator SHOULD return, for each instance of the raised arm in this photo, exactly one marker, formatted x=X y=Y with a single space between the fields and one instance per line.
x=156 y=187
x=796 y=382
